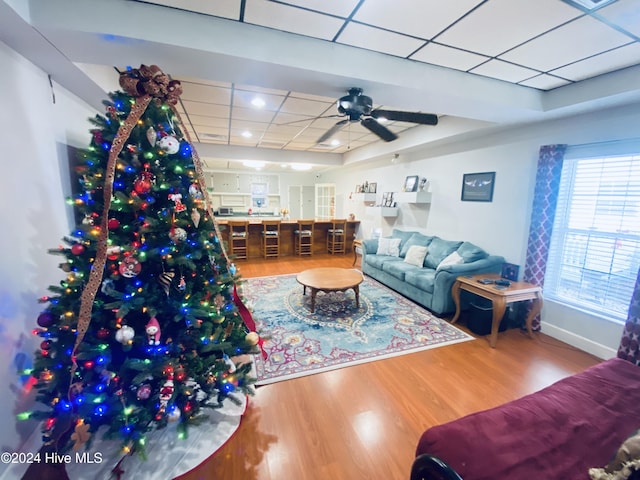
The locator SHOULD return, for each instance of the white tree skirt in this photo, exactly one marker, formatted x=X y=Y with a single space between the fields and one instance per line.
x=167 y=455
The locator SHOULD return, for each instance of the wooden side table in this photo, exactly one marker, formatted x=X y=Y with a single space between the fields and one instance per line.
x=500 y=297
x=357 y=244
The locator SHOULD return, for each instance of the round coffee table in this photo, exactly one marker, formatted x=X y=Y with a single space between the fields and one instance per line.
x=330 y=280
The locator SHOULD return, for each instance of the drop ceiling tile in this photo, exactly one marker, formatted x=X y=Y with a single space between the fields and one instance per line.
x=500 y=25
x=419 y=18
x=303 y=107
x=308 y=96
x=572 y=42
x=605 y=62
x=378 y=40
x=206 y=109
x=624 y=13
x=291 y=19
x=544 y=82
x=252 y=114
x=253 y=88
x=448 y=57
x=243 y=125
x=202 y=121
x=285 y=130
x=205 y=129
x=504 y=71
x=202 y=81
x=219 y=8
x=283 y=118
x=341 y=8
x=205 y=93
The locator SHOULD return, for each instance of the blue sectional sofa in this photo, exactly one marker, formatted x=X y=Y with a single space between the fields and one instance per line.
x=429 y=282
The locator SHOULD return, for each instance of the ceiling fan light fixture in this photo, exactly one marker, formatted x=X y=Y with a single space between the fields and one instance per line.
x=335 y=142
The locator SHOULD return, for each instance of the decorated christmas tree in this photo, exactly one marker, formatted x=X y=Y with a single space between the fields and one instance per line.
x=144 y=327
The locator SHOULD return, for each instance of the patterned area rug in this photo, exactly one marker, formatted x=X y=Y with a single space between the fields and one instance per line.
x=337 y=334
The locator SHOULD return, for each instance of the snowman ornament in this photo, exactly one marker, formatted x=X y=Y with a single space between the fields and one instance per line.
x=169 y=144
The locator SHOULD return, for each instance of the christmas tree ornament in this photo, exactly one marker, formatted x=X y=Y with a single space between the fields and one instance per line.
x=144 y=182
x=166 y=392
x=195 y=217
x=130 y=267
x=113 y=252
x=177 y=199
x=178 y=234
x=77 y=249
x=88 y=219
x=112 y=224
x=103 y=333
x=169 y=144
x=165 y=280
x=173 y=414
x=125 y=335
x=143 y=392
x=80 y=435
x=182 y=284
x=233 y=269
x=252 y=338
x=108 y=287
x=152 y=136
x=195 y=192
x=152 y=328
x=46 y=345
x=45 y=319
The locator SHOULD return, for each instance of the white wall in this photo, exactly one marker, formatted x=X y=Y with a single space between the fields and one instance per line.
x=502 y=226
x=35 y=133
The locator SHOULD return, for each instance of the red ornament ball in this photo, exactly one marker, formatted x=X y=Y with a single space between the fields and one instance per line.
x=102 y=333
x=142 y=185
x=77 y=249
x=45 y=319
x=113 y=223
x=46 y=345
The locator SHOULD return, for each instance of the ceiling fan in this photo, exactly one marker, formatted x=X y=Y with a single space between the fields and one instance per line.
x=358 y=107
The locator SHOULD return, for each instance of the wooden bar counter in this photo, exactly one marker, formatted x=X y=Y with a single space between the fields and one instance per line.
x=287 y=227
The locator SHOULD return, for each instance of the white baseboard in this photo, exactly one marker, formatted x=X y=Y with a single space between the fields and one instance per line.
x=577 y=341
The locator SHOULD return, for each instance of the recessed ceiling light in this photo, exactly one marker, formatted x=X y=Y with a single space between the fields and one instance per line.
x=335 y=142
x=247 y=134
x=301 y=166
x=382 y=120
x=258 y=102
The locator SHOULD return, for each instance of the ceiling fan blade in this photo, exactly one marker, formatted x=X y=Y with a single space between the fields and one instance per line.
x=412 y=117
x=310 y=119
x=332 y=131
x=383 y=132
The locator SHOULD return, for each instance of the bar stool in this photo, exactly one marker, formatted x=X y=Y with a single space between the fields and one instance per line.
x=303 y=238
x=336 y=242
x=239 y=238
x=271 y=238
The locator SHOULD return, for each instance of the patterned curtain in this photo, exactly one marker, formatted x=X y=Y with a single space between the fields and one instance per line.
x=545 y=200
x=631 y=335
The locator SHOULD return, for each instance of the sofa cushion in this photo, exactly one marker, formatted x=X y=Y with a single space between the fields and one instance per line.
x=453 y=259
x=402 y=235
x=422 y=278
x=415 y=255
x=399 y=269
x=415 y=239
x=439 y=249
x=470 y=252
x=378 y=261
x=389 y=246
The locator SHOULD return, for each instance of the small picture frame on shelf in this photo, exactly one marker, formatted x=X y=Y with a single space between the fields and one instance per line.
x=411 y=183
x=358 y=188
x=373 y=187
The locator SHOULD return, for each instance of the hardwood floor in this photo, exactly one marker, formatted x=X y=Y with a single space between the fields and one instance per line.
x=363 y=422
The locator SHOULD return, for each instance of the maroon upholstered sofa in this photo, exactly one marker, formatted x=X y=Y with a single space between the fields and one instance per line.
x=556 y=433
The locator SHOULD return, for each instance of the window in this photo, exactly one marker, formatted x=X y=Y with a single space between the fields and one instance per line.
x=595 y=245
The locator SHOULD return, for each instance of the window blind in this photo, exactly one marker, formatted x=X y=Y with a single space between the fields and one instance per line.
x=595 y=246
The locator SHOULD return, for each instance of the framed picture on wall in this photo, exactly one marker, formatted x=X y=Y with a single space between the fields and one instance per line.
x=478 y=187
x=411 y=184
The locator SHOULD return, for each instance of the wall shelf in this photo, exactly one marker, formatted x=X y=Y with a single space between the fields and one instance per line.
x=385 y=211
x=412 y=197
x=365 y=197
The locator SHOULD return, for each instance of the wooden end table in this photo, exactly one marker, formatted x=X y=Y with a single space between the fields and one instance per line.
x=500 y=297
x=330 y=280
x=356 y=244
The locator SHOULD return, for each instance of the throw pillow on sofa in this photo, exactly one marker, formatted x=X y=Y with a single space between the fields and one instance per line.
x=415 y=255
x=452 y=259
x=415 y=239
x=471 y=252
x=388 y=246
x=439 y=249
